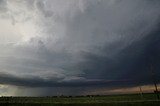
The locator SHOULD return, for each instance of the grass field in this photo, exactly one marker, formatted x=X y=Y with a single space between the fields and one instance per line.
x=110 y=100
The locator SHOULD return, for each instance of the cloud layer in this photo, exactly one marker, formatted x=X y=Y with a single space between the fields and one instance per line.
x=75 y=43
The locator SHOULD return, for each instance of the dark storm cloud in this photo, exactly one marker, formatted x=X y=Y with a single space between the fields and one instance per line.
x=131 y=40
x=79 y=43
x=32 y=81
x=133 y=62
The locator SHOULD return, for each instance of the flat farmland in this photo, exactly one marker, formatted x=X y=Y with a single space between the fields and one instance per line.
x=148 y=99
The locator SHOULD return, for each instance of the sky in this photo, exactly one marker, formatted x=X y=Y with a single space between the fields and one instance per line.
x=78 y=47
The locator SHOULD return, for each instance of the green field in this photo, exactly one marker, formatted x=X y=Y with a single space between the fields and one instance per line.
x=110 y=100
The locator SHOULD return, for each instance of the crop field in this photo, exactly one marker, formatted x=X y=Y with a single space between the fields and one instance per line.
x=110 y=100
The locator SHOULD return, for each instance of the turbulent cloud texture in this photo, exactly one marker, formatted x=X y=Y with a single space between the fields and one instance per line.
x=71 y=44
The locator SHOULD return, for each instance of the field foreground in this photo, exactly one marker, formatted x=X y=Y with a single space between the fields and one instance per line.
x=114 y=100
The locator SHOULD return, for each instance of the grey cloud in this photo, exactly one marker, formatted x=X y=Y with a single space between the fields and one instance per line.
x=34 y=81
x=133 y=62
x=85 y=43
x=41 y=6
x=3 y=6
